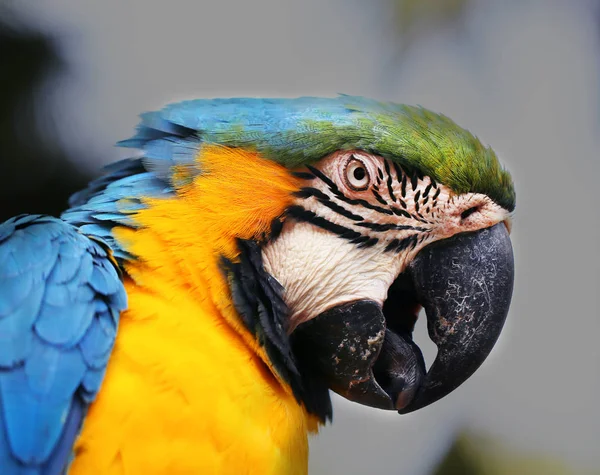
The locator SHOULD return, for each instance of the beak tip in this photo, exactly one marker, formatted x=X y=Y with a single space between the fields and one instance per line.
x=403 y=400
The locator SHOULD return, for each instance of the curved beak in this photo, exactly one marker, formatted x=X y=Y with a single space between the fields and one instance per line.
x=465 y=285
x=366 y=353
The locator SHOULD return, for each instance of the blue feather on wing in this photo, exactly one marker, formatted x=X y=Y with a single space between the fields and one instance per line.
x=60 y=300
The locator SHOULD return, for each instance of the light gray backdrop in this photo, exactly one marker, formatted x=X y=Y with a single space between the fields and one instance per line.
x=523 y=76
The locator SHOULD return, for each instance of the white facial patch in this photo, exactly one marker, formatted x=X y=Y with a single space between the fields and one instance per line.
x=355 y=226
x=318 y=270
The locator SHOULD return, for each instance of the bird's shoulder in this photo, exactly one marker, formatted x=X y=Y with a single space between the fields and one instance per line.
x=60 y=300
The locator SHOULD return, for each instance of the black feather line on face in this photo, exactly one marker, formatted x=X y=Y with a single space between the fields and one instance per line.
x=276 y=228
x=324 y=199
x=369 y=243
x=340 y=196
x=389 y=181
x=258 y=299
x=403 y=186
x=399 y=245
x=364 y=204
x=308 y=191
x=427 y=189
x=392 y=245
x=400 y=212
x=383 y=227
x=379 y=198
x=301 y=214
x=408 y=243
x=414 y=181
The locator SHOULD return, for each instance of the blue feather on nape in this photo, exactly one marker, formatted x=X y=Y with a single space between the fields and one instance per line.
x=111 y=201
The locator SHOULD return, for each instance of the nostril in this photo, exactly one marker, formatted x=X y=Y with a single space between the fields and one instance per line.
x=468 y=212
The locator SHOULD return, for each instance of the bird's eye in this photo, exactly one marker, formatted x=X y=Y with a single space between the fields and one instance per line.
x=356 y=174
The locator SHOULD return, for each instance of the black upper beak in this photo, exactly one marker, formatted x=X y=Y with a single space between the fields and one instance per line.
x=465 y=285
x=366 y=353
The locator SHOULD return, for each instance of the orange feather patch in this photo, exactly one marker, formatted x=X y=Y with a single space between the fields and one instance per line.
x=188 y=388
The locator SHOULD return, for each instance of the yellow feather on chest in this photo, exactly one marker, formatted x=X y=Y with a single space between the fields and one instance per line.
x=188 y=389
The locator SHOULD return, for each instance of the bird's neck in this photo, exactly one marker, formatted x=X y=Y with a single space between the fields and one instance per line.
x=182 y=241
x=185 y=369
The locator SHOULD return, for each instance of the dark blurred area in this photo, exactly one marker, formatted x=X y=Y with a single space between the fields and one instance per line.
x=477 y=454
x=36 y=175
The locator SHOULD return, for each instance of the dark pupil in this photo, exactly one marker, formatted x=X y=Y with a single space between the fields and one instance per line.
x=359 y=173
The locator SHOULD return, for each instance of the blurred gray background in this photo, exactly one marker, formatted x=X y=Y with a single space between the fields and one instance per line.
x=522 y=75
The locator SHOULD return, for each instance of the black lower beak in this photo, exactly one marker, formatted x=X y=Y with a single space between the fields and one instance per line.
x=365 y=352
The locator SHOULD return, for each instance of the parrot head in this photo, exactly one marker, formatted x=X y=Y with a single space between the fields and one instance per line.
x=391 y=242
x=375 y=211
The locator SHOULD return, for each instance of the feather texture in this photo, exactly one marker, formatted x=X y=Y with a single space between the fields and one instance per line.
x=296 y=132
x=190 y=387
x=291 y=132
x=60 y=298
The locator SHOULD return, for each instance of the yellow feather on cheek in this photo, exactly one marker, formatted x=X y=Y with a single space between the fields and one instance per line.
x=188 y=388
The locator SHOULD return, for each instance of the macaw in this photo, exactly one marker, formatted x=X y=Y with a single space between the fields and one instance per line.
x=194 y=306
